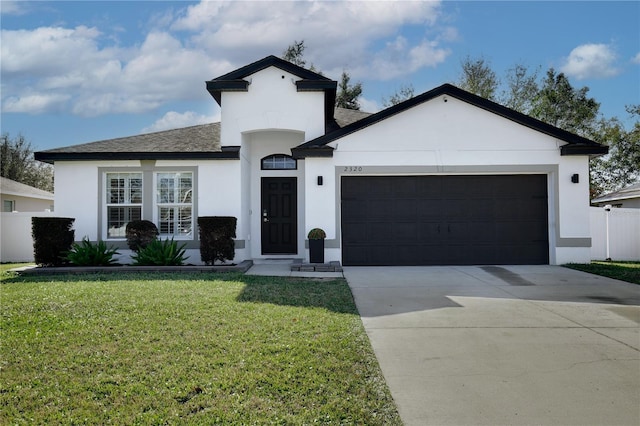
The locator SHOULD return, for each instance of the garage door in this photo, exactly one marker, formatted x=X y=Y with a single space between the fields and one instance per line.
x=444 y=220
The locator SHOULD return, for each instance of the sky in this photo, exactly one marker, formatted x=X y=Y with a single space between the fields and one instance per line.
x=80 y=71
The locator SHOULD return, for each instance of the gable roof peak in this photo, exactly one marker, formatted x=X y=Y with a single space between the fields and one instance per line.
x=271 y=61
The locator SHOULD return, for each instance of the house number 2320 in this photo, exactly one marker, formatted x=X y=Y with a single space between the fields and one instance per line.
x=353 y=168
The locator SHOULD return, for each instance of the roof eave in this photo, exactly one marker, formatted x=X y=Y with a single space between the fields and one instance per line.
x=227 y=153
x=319 y=152
x=216 y=87
x=593 y=150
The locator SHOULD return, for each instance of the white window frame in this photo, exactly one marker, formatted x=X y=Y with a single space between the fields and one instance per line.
x=174 y=201
x=126 y=203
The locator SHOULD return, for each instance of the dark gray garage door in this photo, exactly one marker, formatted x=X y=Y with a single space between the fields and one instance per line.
x=444 y=220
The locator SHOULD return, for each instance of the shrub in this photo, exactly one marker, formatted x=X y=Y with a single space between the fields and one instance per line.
x=316 y=234
x=52 y=237
x=160 y=253
x=140 y=233
x=89 y=254
x=216 y=238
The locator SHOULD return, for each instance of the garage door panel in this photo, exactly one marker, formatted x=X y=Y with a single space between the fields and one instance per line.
x=433 y=220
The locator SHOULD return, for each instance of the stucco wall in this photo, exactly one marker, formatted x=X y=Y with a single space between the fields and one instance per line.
x=454 y=137
x=27 y=204
x=272 y=103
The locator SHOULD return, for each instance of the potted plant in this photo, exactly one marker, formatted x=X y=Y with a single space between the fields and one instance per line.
x=316 y=245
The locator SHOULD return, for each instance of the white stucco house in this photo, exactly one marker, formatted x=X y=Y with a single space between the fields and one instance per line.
x=18 y=197
x=627 y=197
x=444 y=178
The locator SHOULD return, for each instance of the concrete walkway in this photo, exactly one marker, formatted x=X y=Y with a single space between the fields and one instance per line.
x=513 y=345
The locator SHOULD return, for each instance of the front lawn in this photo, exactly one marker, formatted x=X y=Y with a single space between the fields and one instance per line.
x=625 y=271
x=186 y=349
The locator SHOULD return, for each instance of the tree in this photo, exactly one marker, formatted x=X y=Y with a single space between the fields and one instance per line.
x=521 y=89
x=405 y=92
x=621 y=167
x=17 y=163
x=560 y=105
x=478 y=78
x=294 y=53
x=348 y=94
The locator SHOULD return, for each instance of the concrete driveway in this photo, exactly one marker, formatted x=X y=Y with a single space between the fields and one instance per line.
x=469 y=345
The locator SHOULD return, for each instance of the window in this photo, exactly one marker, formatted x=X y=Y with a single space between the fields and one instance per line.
x=174 y=202
x=123 y=201
x=279 y=162
x=8 y=206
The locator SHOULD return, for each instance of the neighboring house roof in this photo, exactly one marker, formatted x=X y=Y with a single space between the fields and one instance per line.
x=11 y=187
x=194 y=142
x=632 y=191
x=576 y=145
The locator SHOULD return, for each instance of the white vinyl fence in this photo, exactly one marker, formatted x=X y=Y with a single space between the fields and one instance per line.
x=623 y=232
x=624 y=235
x=15 y=236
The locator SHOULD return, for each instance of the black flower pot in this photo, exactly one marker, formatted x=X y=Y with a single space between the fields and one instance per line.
x=316 y=251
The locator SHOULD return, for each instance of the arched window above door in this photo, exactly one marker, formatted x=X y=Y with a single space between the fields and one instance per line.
x=279 y=162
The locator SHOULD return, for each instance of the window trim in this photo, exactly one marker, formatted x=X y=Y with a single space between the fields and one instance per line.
x=149 y=207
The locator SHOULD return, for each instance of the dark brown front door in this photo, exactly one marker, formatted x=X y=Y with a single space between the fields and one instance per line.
x=279 y=215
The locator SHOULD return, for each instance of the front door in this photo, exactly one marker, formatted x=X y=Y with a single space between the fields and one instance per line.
x=279 y=215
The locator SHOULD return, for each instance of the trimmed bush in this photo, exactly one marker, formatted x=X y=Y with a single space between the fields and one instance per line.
x=52 y=238
x=89 y=254
x=160 y=253
x=216 y=238
x=140 y=233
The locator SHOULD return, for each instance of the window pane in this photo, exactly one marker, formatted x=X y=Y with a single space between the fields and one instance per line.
x=174 y=197
x=166 y=220
x=124 y=188
x=184 y=221
x=117 y=219
x=279 y=162
x=136 y=191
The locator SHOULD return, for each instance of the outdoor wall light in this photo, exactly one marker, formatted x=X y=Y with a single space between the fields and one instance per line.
x=319 y=180
x=575 y=178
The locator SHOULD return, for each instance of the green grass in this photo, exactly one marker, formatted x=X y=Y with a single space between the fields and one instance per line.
x=186 y=349
x=625 y=271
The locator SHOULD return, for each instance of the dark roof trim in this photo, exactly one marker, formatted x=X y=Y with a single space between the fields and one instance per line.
x=582 y=149
x=233 y=79
x=321 y=152
x=227 y=153
x=316 y=85
x=587 y=147
x=267 y=62
x=215 y=88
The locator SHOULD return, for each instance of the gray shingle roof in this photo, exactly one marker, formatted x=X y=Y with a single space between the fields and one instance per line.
x=201 y=139
x=11 y=187
x=632 y=191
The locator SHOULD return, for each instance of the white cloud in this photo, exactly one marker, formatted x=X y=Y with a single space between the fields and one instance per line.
x=86 y=70
x=176 y=120
x=591 y=61
x=9 y=7
x=368 y=105
x=35 y=103
x=636 y=59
